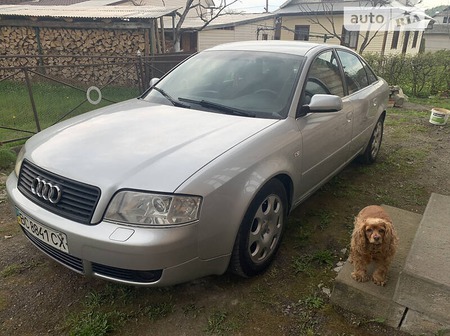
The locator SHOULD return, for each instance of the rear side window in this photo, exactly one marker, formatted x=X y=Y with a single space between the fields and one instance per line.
x=355 y=74
x=370 y=75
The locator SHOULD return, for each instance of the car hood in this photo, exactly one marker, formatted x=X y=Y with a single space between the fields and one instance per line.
x=139 y=145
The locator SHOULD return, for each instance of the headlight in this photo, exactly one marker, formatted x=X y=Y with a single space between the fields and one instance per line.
x=152 y=209
x=19 y=161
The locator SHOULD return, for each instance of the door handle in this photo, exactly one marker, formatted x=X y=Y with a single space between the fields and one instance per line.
x=349 y=116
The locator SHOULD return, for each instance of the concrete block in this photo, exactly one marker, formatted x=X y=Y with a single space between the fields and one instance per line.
x=416 y=323
x=424 y=283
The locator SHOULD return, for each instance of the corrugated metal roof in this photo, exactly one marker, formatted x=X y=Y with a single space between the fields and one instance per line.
x=96 y=3
x=100 y=12
x=307 y=7
x=439 y=28
x=50 y=2
x=300 y=7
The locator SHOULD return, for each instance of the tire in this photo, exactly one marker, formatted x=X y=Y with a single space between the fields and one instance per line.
x=373 y=147
x=261 y=230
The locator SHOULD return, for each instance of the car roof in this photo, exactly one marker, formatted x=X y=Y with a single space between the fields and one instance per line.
x=290 y=47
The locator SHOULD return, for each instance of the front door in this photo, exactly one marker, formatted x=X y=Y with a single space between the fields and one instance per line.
x=326 y=136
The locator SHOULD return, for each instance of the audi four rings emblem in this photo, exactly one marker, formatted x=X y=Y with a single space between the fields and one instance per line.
x=46 y=190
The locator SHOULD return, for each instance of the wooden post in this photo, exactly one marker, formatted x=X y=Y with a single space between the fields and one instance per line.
x=152 y=38
x=39 y=45
x=157 y=39
x=147 y=42
x=163 y=36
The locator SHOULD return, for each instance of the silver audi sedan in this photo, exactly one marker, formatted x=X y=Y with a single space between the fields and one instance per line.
x=197 y=176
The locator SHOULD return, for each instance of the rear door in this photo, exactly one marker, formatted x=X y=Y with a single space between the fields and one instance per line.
x=362 y=87
x=326 y=136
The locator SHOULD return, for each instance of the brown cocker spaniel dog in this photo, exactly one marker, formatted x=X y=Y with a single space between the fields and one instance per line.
x=373 y=239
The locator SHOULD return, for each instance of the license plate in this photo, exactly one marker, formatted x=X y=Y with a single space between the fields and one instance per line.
x=49 y=236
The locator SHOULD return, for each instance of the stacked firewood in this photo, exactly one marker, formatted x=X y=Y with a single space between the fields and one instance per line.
x=70 y=47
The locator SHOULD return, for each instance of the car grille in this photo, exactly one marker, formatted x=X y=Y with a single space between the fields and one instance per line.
x=78 y=200
x=126 y=274
x=76 y=264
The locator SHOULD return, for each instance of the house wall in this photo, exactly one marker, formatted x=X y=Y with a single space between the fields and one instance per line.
x=375 y=45
x=437 y=42
x=289 y=23
x=246 y=32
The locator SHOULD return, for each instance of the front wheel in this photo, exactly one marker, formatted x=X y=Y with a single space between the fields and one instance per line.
x=261 y=230
x=374 y=145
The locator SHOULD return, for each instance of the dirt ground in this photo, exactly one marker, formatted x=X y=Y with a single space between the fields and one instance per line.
x=40 y=297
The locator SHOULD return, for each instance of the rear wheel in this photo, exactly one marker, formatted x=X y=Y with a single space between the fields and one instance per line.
x=374 y=145
x=261 y=230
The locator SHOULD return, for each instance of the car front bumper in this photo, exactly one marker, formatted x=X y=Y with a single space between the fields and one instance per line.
x=125 y=254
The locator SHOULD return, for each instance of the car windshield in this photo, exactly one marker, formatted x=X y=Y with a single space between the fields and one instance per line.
x=245 y=83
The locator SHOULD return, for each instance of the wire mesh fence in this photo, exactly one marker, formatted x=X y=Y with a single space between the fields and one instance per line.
x=40 y=91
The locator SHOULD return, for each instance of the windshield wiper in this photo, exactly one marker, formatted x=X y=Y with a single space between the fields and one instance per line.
x=219 y=107
x=169 y=98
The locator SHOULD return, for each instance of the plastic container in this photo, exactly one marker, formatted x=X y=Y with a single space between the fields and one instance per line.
x=439 y=116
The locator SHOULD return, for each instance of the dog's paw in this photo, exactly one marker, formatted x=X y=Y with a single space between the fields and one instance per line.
x=360 y=276
x=378 y=280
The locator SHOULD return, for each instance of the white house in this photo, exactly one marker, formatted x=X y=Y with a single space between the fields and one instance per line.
x=323 y=21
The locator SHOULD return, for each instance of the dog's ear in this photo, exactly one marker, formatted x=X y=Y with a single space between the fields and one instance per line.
x=359 y=236
x=390 y=236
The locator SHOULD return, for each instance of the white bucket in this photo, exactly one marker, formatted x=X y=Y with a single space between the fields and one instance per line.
x=439 y=116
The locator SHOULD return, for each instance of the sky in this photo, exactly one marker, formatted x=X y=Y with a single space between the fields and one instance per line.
x=257 y=6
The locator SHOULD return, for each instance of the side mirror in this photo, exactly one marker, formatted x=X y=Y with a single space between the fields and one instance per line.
x=153 y=81
x=322 y=103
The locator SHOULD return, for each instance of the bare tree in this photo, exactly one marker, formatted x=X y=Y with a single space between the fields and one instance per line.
x=206 y=14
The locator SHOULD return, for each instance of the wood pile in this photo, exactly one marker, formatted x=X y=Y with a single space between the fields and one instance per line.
x=69 y=42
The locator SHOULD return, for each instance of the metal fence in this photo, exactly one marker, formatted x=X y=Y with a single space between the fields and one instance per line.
x=39 y=91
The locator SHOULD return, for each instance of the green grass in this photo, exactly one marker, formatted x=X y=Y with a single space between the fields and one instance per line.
x=158 y=310
x=3 y=301
x=219 y=324
x=311 y=263
x=432 y=101
x=108 y=309
x=53 y=102
x=192 y=310
x=7 y=158
x=11 y=270
x=98 y=323
x=314 y=302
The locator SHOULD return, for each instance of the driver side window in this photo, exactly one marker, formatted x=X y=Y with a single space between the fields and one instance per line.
x=323 y=77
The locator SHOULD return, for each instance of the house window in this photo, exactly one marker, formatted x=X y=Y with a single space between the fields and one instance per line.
x=415 y=38
x=301 y=33
x=349 y=38
x=405 y=42
x=265 y=37
x=395 y=38
x=446 y=19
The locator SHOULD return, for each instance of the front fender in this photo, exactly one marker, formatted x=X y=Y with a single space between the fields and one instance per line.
x=229 y=183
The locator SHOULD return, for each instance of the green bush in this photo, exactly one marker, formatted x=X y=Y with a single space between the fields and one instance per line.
x=420 y=75
x=7 y=158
